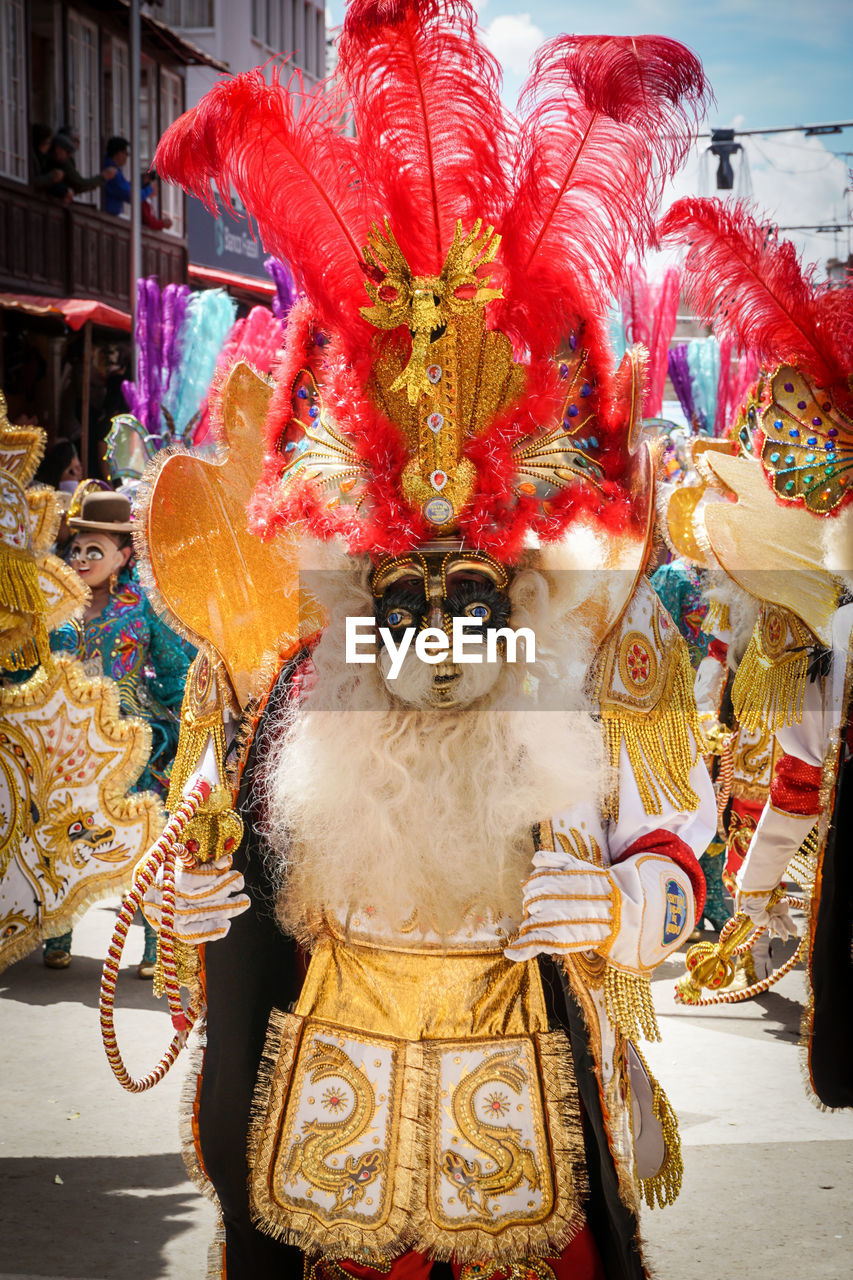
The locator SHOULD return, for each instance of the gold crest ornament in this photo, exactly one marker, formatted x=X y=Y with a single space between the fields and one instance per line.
x=69 y=832
x=459 y=376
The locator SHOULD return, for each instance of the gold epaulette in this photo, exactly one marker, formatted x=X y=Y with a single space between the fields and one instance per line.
x=718 y=617
x=768 y=689
x=643 y=682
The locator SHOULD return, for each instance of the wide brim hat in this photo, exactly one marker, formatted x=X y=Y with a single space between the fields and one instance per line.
x=104 y=512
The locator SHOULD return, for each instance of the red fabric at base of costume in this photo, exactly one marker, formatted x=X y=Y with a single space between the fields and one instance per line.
x=580 y=1260
x=717 y=649
x=671 y=846
x=796 y=787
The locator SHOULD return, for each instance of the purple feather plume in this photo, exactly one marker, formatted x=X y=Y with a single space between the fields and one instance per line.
x=285 y=287
x=679 y=372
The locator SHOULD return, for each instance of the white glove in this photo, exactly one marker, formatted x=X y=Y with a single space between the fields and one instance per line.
x=777 y=917
x=568 y=906
x=207 y=896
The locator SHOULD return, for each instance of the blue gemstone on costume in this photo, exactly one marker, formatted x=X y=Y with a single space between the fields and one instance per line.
x=586 y=389
x=303 y=393
x=593 y=440
x=810 y=457
x=789 y=486
x=573 y=411
x=774 y=458
x=314 y=411
x=778 y=424
x=794 y=433
x=830 y=446
x=812 y=441
x=830 y=471
x=789 y=460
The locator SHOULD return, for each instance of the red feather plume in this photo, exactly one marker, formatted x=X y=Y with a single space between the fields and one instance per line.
x=609 y=120
x=433 y=134
x=292 y=169
x=751 y=287
x=651 y=82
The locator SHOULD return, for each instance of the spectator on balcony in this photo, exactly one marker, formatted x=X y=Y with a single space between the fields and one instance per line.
x=62 y=155
x=48 y=175
x=149 y=215
x=117 y=189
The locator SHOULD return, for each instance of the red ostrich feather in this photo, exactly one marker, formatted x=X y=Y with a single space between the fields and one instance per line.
x=752 y=287
x=609 y=118
x=297 y=175
x=432 y=131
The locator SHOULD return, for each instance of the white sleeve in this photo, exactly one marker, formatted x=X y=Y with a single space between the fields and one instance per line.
x=696 y=827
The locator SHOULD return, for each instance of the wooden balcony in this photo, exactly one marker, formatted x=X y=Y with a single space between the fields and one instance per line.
x=76 y=251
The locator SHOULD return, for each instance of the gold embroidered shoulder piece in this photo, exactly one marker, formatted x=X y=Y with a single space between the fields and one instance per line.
x=643 y=683
x=771 y=679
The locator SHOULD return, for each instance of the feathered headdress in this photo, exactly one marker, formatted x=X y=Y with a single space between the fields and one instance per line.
x=447 y=371
x=752 y=288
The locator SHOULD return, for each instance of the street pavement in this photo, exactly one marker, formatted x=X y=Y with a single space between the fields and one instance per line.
x=92 y=1186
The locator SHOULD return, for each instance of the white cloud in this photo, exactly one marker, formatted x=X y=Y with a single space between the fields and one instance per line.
x=513 y=38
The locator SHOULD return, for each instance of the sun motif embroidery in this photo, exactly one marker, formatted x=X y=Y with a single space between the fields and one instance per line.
x=334 y=1100
x=497 y=1104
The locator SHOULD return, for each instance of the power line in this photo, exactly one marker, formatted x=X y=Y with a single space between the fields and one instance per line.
x=810 y=130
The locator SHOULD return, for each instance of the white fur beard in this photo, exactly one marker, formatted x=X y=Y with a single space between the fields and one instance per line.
x=372 y=803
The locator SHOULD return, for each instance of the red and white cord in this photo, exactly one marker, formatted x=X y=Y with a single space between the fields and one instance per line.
x=166 y=849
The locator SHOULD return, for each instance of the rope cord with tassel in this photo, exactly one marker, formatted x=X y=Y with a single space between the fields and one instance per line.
x=163 y=854
x=709 y=966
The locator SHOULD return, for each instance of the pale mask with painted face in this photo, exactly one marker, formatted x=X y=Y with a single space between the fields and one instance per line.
x=428 y=589
x=96 y=556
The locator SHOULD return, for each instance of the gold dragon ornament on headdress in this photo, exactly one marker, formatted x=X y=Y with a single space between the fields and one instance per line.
x=459 y=376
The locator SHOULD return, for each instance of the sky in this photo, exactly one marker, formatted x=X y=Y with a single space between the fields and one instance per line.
x=770 y=63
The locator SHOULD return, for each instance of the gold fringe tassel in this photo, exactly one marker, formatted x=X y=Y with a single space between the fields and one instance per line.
x=768 y=693
x=717 y=618
x=629 y=1005
x=20 y=591
x=192 y=741
x=663 y=1187
x=658 y=742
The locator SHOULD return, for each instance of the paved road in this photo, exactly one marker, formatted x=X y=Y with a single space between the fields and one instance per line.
x=768 y=1182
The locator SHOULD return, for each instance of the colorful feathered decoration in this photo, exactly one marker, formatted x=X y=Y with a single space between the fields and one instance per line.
x=208 y=318
x=649 y=314
x=159 y=323
x=286 y=292
x=448 y=373
x=256 y=339
x=752 y=287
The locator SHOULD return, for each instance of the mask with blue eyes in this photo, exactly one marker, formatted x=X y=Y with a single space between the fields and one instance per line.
x=429 y=588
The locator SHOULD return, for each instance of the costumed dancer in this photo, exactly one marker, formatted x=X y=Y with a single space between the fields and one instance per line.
x=69 y=834
x=122 y=637
x=482 y=879
x=787 y=540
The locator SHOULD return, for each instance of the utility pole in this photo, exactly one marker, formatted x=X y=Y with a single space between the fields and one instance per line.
x=724 y=146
